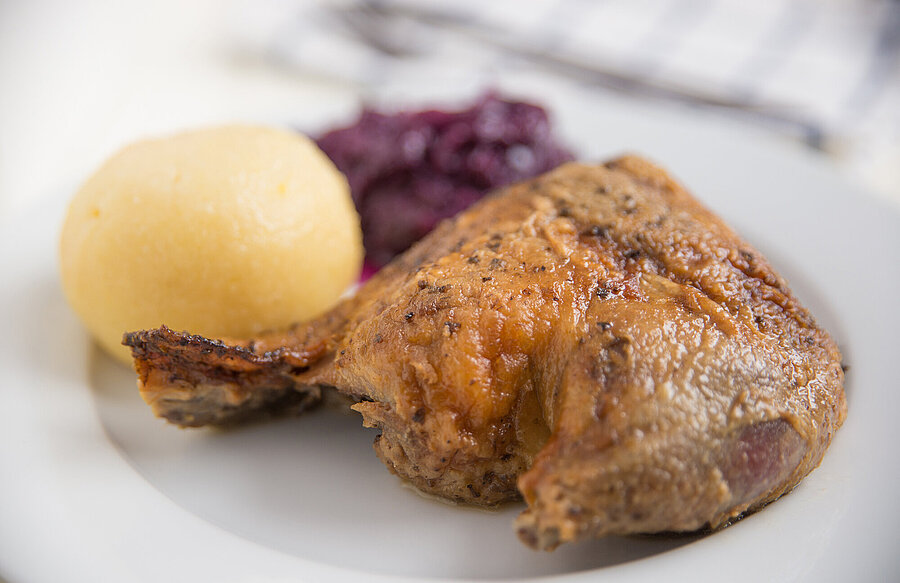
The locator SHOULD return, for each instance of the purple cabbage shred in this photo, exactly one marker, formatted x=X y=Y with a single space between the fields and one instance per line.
x=409 y=170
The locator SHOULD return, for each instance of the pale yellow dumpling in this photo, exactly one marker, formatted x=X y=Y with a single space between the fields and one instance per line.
x=221 y=232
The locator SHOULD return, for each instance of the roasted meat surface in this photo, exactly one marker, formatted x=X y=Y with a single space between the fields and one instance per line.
x=594 y=340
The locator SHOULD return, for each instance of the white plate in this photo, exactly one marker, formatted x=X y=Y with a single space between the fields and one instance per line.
x=93 y=488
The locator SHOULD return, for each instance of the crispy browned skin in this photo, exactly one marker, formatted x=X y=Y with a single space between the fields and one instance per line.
x=594 y=339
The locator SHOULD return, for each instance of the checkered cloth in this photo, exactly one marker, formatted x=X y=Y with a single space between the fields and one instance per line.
x=827 y=70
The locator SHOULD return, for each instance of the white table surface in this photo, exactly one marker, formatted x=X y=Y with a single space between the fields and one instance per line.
x=80 y=79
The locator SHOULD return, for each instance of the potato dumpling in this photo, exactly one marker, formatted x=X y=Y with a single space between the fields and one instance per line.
x=221 y=232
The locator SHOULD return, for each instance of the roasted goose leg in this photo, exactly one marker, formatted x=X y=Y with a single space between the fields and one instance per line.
x=593 y=340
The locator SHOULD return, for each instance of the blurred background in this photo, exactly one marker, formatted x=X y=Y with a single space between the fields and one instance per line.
x=79 y=79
